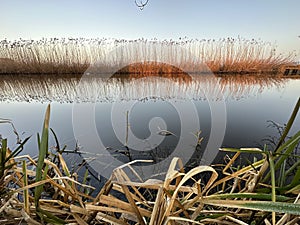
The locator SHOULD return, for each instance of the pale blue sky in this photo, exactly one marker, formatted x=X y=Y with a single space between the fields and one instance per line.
x=271 y=20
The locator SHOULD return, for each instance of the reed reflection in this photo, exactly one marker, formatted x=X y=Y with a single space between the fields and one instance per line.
x=66 y=90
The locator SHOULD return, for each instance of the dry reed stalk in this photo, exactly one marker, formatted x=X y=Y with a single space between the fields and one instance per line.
x=182 y=198
x=73 y=56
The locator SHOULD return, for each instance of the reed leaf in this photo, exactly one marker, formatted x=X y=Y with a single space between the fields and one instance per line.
x=257 y=196
x=296 y=178
x=289 y=125
x=268 y=206
x=292 y=168
x=273 y=182
x=49 y=218
x=25 y=191
x=43 y=150
x=289 y=145
x=17 y=151
x=5 y=158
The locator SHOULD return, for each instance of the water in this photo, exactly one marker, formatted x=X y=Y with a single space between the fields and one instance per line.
x=164 y=115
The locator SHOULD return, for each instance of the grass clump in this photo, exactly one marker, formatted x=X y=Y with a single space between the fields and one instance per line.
x=262 y=192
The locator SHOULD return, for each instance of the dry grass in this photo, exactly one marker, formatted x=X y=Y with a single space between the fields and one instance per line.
x=73 y=56
x=182 y=198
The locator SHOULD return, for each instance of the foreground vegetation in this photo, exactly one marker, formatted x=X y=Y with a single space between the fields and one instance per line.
x=45 y=191
x=73 y=56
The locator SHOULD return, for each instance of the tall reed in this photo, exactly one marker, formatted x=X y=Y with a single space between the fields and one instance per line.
x=74 y=55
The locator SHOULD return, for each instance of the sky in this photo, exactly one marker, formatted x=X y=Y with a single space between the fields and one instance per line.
x=276 y=21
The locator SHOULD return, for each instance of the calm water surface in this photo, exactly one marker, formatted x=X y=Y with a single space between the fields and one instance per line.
x=250 y=104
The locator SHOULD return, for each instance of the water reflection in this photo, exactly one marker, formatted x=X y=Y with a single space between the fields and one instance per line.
x=246 y=123
x=67 y=89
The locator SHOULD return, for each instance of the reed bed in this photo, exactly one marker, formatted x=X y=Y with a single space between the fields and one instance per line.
x=45 y=191
x=75 y=55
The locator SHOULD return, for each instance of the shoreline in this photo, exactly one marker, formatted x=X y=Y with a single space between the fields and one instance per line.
x=144 y=69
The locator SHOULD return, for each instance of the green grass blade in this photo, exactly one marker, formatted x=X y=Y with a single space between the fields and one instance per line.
x=294 y=139
x=43 y=149
x=292 y=168
x=273 y=179
x=4 y=147
x=288 y=152
x=282 y=177
x=267 y=206
x=25 y=180
x=3 y=150
x=256 y=196
x=17 y=150
x=289 y=125
x=85 y=179
x=45 y=172
x=296 y=178
x=273 y=183
x=289 y=145
x=50 y=218
x=2 y=157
